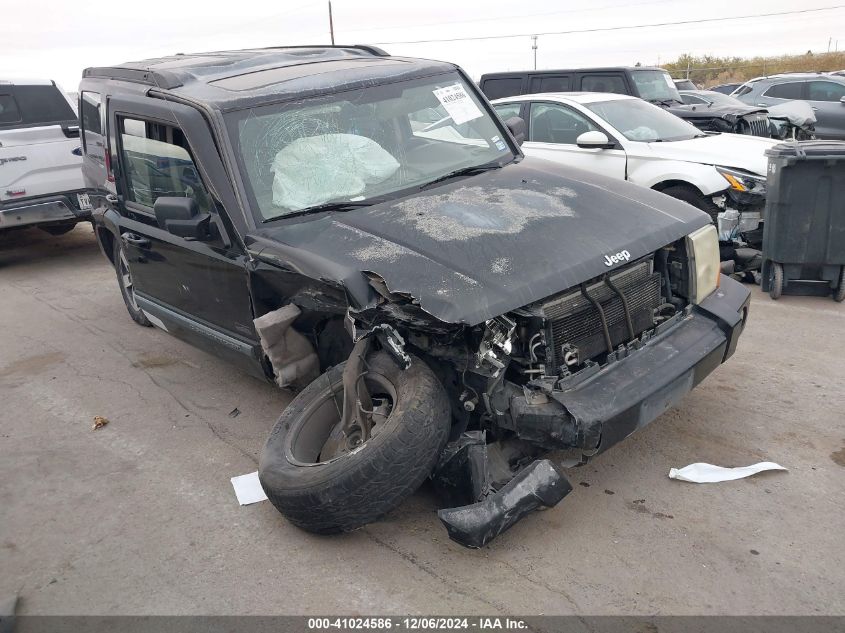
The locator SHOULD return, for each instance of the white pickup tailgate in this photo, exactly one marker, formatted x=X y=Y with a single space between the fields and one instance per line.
x=38 y=161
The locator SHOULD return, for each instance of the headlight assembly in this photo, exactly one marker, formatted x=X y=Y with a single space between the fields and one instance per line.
x=743 y=181
x=703 y=254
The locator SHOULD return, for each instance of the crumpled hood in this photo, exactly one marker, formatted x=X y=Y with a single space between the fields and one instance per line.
x=702 y=111
x=476 y=248
x=741 y=151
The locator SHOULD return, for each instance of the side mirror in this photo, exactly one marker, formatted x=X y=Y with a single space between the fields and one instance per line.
x=181 y=216
x=516 y=126
x=593 y=140
x=842 y=100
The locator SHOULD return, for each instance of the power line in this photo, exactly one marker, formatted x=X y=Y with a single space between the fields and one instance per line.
x=616 y=28
x=499 y=19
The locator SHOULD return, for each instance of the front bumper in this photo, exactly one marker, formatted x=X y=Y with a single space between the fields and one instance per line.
x=625 y=395
x=57 y=208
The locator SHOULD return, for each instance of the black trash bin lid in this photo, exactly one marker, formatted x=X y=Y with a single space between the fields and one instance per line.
x=808 y=149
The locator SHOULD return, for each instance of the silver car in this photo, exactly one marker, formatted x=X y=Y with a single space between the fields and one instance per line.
x=824 y=92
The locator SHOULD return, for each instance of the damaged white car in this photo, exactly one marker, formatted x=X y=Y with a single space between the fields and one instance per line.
x=630 y=139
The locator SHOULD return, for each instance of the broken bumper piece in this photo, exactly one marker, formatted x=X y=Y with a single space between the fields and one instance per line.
x=539 y=484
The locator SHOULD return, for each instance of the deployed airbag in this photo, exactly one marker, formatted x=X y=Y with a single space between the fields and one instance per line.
x=316 y=169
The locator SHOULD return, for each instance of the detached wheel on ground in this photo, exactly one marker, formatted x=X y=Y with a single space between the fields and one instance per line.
x=695 y=198
x=775 y=280
x=127 y=288
x=325 y=482
x=839 y=293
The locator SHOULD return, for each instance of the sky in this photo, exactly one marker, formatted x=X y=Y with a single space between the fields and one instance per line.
x=56 y=39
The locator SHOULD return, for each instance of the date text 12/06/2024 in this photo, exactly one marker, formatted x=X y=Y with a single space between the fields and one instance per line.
x=416 y=624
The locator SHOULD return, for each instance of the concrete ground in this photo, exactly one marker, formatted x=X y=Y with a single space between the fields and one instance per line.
x=140 y=518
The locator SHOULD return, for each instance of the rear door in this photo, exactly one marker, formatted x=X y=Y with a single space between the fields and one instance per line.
x=825 y=98
x=553 y=129
x=39 y=142
x=196 y=290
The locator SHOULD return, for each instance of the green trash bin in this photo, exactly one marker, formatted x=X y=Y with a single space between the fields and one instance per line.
x=804 y=227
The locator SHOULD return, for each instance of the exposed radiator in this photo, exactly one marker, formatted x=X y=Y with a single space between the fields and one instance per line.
x=574 y=322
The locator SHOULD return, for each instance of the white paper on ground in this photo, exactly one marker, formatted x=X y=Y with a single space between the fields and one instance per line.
x=248 y=489
x=701 y=473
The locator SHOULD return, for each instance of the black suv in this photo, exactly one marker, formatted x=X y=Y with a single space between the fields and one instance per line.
x=365 y=228
x=651 y=84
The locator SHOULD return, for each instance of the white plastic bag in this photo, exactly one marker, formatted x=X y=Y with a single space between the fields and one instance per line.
x=701 y=473
x=316 y=169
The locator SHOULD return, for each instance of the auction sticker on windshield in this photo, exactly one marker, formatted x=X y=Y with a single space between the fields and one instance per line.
x=458 y=103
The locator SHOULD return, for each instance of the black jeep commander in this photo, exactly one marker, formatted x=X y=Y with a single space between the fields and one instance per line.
x=365 y=227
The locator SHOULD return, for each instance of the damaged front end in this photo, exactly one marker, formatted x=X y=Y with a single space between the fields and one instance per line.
x=578 y=371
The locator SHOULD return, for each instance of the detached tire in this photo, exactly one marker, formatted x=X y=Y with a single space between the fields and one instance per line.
x=696 y=199
x=339 y=492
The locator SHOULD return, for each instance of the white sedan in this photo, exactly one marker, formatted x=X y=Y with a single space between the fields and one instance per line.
x=628 y=138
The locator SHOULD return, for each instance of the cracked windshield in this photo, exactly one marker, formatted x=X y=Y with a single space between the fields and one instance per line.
x=363 y=145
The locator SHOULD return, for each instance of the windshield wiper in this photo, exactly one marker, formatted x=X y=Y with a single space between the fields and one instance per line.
x=337 y=205
x=463 y=171
x=667 y=102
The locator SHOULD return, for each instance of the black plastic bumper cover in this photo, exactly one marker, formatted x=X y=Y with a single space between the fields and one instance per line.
x=539 y=484
x=630 y=393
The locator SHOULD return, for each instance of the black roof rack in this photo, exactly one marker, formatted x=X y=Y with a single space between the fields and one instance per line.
x=145 y=72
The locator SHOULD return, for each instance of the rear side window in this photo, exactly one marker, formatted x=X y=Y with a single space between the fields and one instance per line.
x=551 y=84
x=31 y=106
x=9 y=111
x=826 y=91
x=90 y=114
x=156 y=163
x=791 y=90
x=603 y=83
x=504 y=87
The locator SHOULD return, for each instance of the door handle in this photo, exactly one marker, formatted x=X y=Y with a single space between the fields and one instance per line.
x=135 y=240
x=815 y=109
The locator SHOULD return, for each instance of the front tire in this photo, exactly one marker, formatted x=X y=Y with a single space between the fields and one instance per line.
x=126 y=285
x=695 y=198
x=347 y=488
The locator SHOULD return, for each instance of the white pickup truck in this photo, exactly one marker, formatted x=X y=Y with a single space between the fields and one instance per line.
x=40 y=158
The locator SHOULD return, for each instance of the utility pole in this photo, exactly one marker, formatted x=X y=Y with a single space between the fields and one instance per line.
x=331 y=23
x=534 y=46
